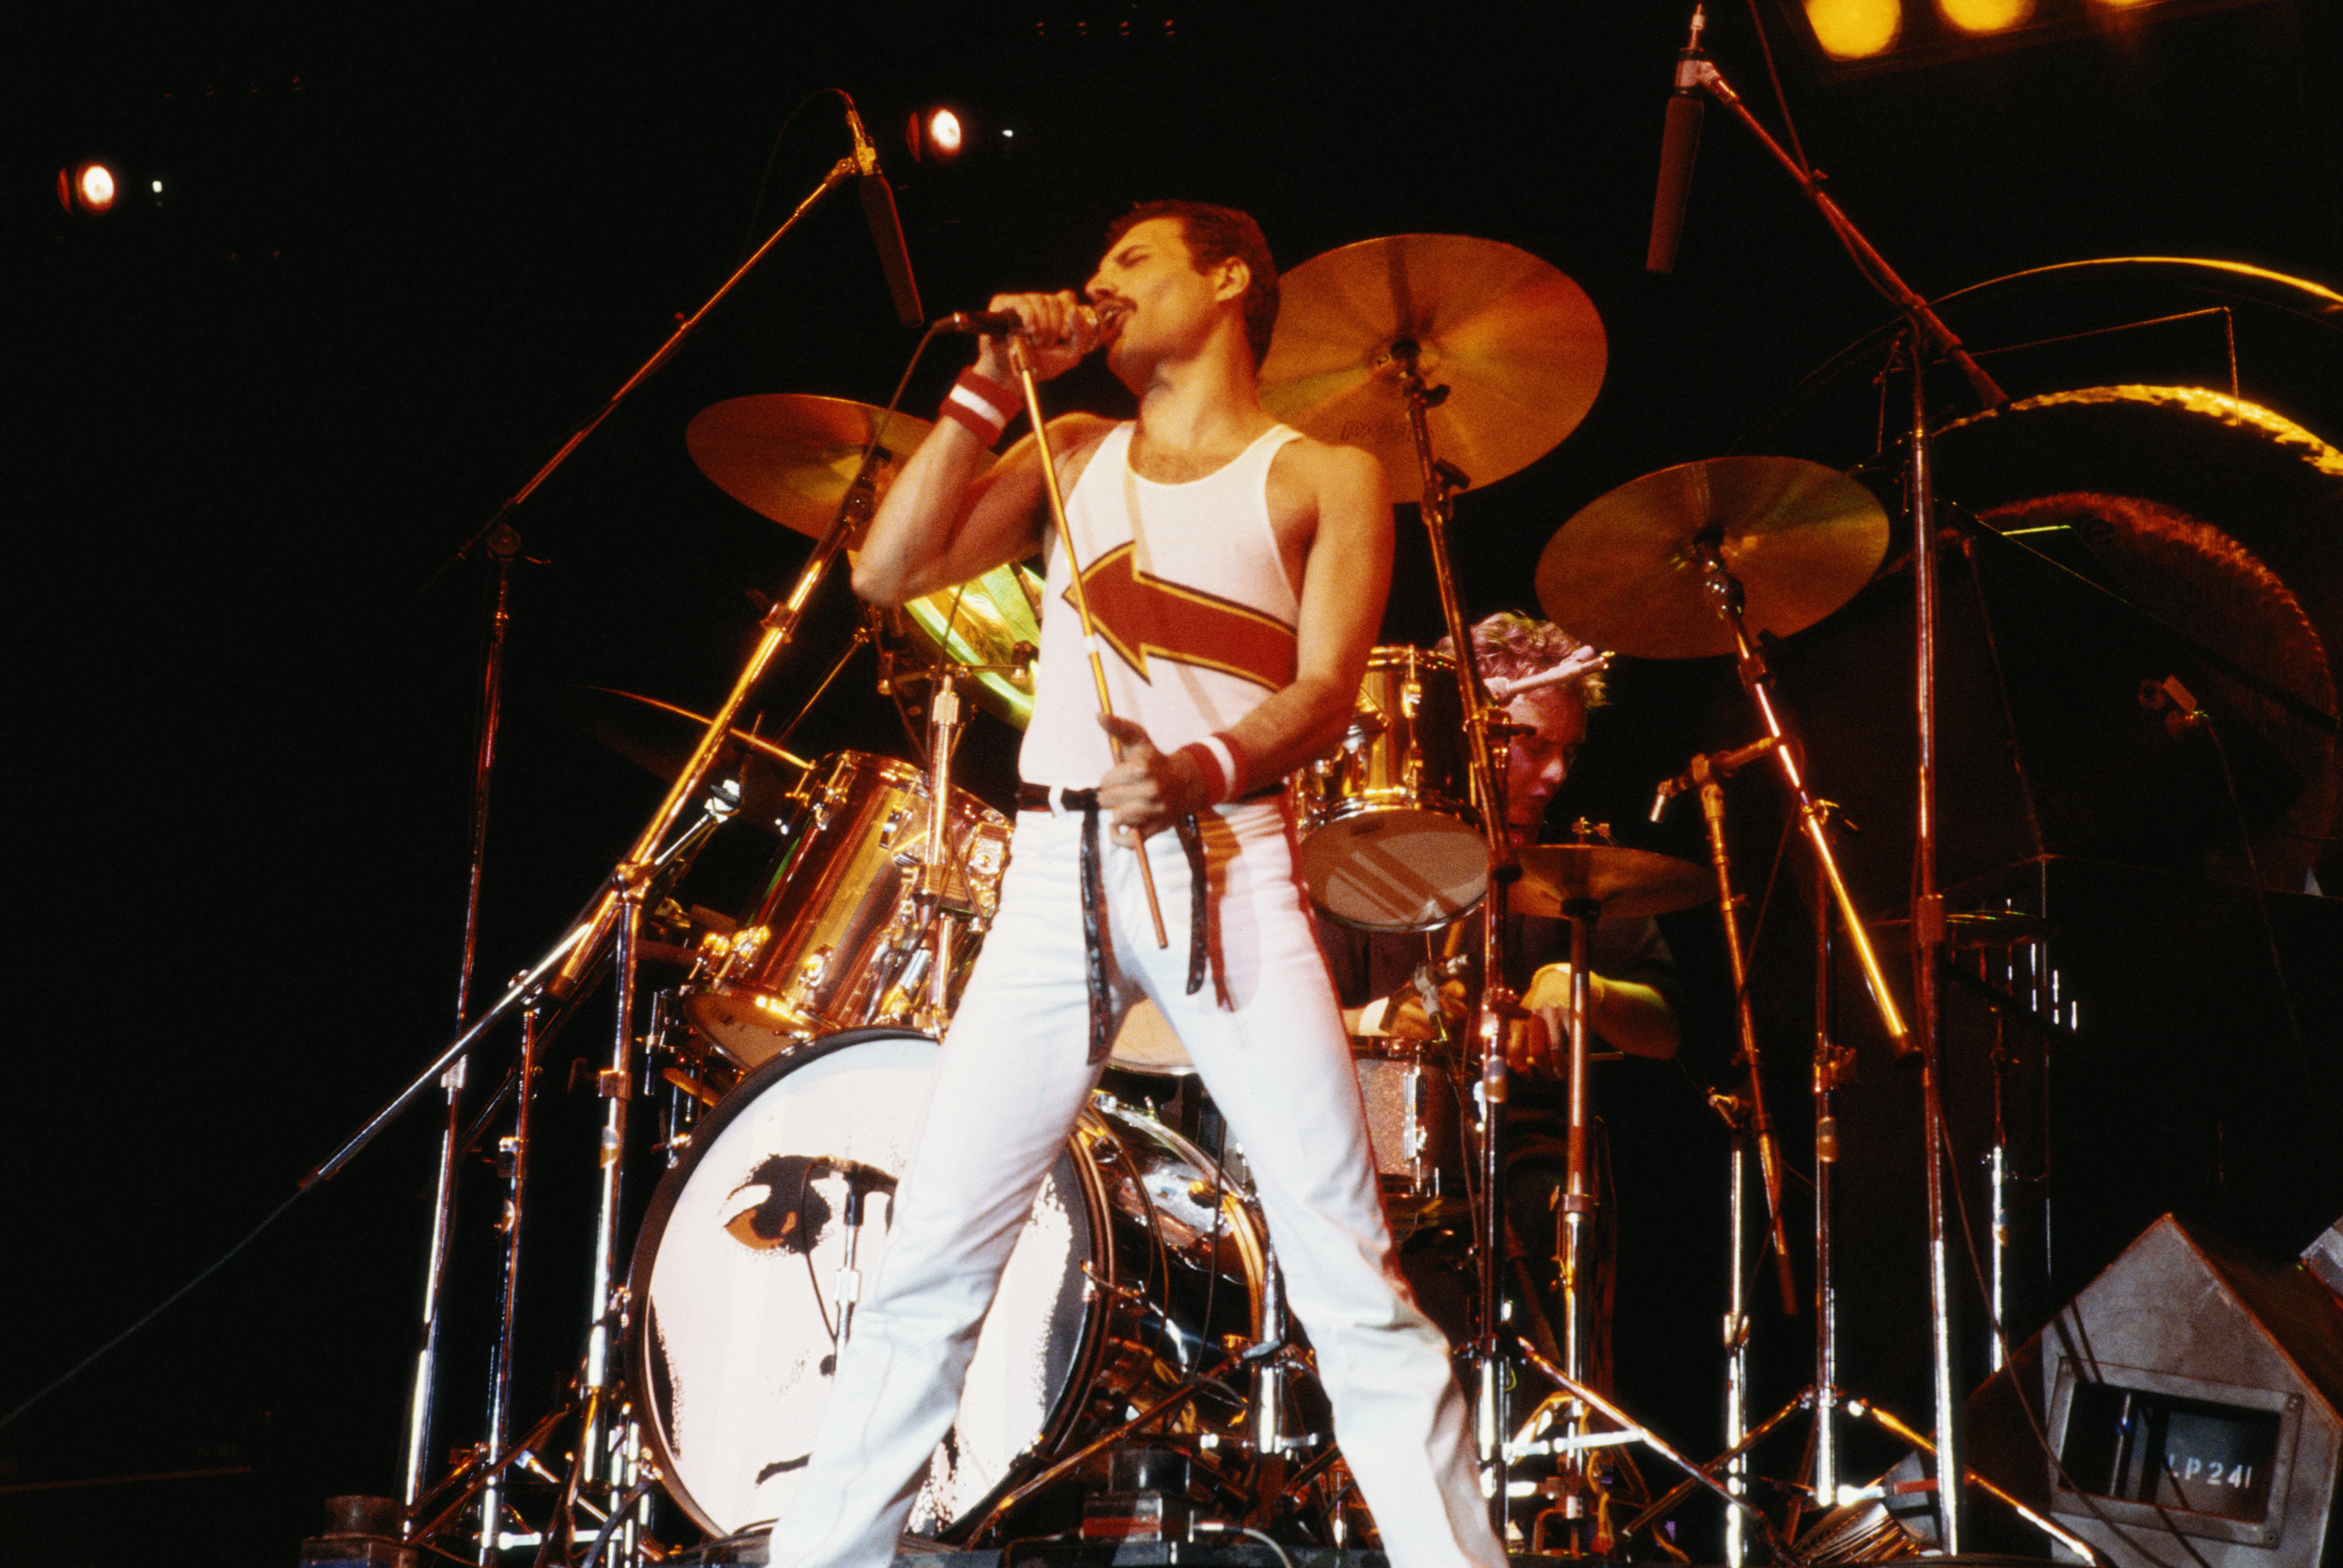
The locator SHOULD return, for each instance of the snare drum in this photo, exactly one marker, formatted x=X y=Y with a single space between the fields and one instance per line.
x=1137 y=1260
x=839 y=940
x=1388 y=835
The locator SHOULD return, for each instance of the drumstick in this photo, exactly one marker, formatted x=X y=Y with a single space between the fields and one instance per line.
x=1018 y=358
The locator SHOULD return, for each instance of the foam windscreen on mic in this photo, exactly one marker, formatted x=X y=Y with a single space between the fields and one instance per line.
x=1677 y=144
x=886 y=234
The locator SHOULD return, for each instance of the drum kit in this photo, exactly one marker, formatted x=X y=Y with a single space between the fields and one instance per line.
x=1141 y=1309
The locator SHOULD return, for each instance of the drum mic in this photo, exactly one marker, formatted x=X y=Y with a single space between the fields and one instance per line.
x=886 y=225
x=1710 y=765
x=1678 y=142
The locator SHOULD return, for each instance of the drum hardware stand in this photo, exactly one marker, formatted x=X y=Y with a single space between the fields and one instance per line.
x=1926 y=331
x=504 y=547
x=513 y=1156
x=1436 y=504
x=1749 y=1122
x=1020 y=354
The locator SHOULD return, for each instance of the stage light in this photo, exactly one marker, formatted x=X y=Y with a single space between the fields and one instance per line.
x=936 y=135
x=89 y=188
x=1852 y=29
x=1985 y=16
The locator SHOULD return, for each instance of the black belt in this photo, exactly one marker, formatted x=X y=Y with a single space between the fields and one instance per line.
x=1036 y=798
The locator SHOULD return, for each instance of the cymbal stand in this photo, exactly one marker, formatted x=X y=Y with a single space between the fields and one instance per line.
x=1927 y=333
x=1749 y=1123
x=1436 y=504
x=936 y=852
x=504 y=549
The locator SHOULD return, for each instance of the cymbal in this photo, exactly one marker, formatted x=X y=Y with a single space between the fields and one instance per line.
x=1621 y=574
x=1518 y=346
x=1978 y=928
x=1628 y=884
x=790 y=454
x=981 y=622
x=659 y=737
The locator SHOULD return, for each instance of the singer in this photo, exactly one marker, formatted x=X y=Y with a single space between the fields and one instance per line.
x=1237 y=571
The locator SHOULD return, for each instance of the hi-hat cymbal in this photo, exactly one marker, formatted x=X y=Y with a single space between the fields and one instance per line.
x=1518 y=346
x=790 y=454
x=1628 y=884
x=659 y=737
x=1624 y=573
x=981 y=623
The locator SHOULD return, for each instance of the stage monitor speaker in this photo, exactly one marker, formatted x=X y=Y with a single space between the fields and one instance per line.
x=2192 y=1396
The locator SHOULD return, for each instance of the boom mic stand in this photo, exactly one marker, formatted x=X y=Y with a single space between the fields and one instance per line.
x=502 y=543
x=1926 y=332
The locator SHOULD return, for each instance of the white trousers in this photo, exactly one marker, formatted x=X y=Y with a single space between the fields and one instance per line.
x=1012 y=1078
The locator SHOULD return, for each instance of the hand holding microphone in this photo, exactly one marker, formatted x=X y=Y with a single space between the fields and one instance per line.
x=1063 y=329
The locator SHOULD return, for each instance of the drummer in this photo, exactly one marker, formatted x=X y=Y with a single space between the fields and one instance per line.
x=1237 y=570
x=1629 y=1000
x=1630 y=993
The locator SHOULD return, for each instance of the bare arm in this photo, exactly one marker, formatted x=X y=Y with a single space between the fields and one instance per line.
x=946 y=518
x=1345 y=578
x=1630 y=1017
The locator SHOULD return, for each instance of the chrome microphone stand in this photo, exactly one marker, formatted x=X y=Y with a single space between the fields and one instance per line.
x=1927 y=332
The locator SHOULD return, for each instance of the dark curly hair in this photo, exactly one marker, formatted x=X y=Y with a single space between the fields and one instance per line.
x=1215 y=235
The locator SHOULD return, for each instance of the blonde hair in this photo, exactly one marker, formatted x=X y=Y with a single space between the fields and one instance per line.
x=1516 y=647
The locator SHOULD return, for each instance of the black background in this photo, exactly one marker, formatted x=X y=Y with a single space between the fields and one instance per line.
x=399 y=254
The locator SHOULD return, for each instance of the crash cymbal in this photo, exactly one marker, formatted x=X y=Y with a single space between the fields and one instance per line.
x=1623 y=574
x=986 y=620
x=1517 y=345
x=790 y=454
x=659 y=737
x=1628 y=884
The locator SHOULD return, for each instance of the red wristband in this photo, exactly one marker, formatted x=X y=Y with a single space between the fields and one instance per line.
x=1222 y=764
x=980 y=405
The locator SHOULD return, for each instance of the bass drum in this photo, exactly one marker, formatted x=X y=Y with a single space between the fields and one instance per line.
x=1122 y=1284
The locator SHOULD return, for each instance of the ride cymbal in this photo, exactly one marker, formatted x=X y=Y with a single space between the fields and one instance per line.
x=1629 y=884
x=1626 y=573
x=1517 y=346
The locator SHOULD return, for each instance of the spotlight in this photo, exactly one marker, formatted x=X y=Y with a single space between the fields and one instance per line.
x=89 y=188
x=1985 y=16
x=1851 y=29
x=935 y=135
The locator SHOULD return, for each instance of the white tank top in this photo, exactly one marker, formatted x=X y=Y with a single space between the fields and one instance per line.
x=1195 y=616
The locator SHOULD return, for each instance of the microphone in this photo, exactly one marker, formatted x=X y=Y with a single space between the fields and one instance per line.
x=1708 y=766
x=886 y=227
x=1678 y=142
x=1001 y=323
x=982 y=323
